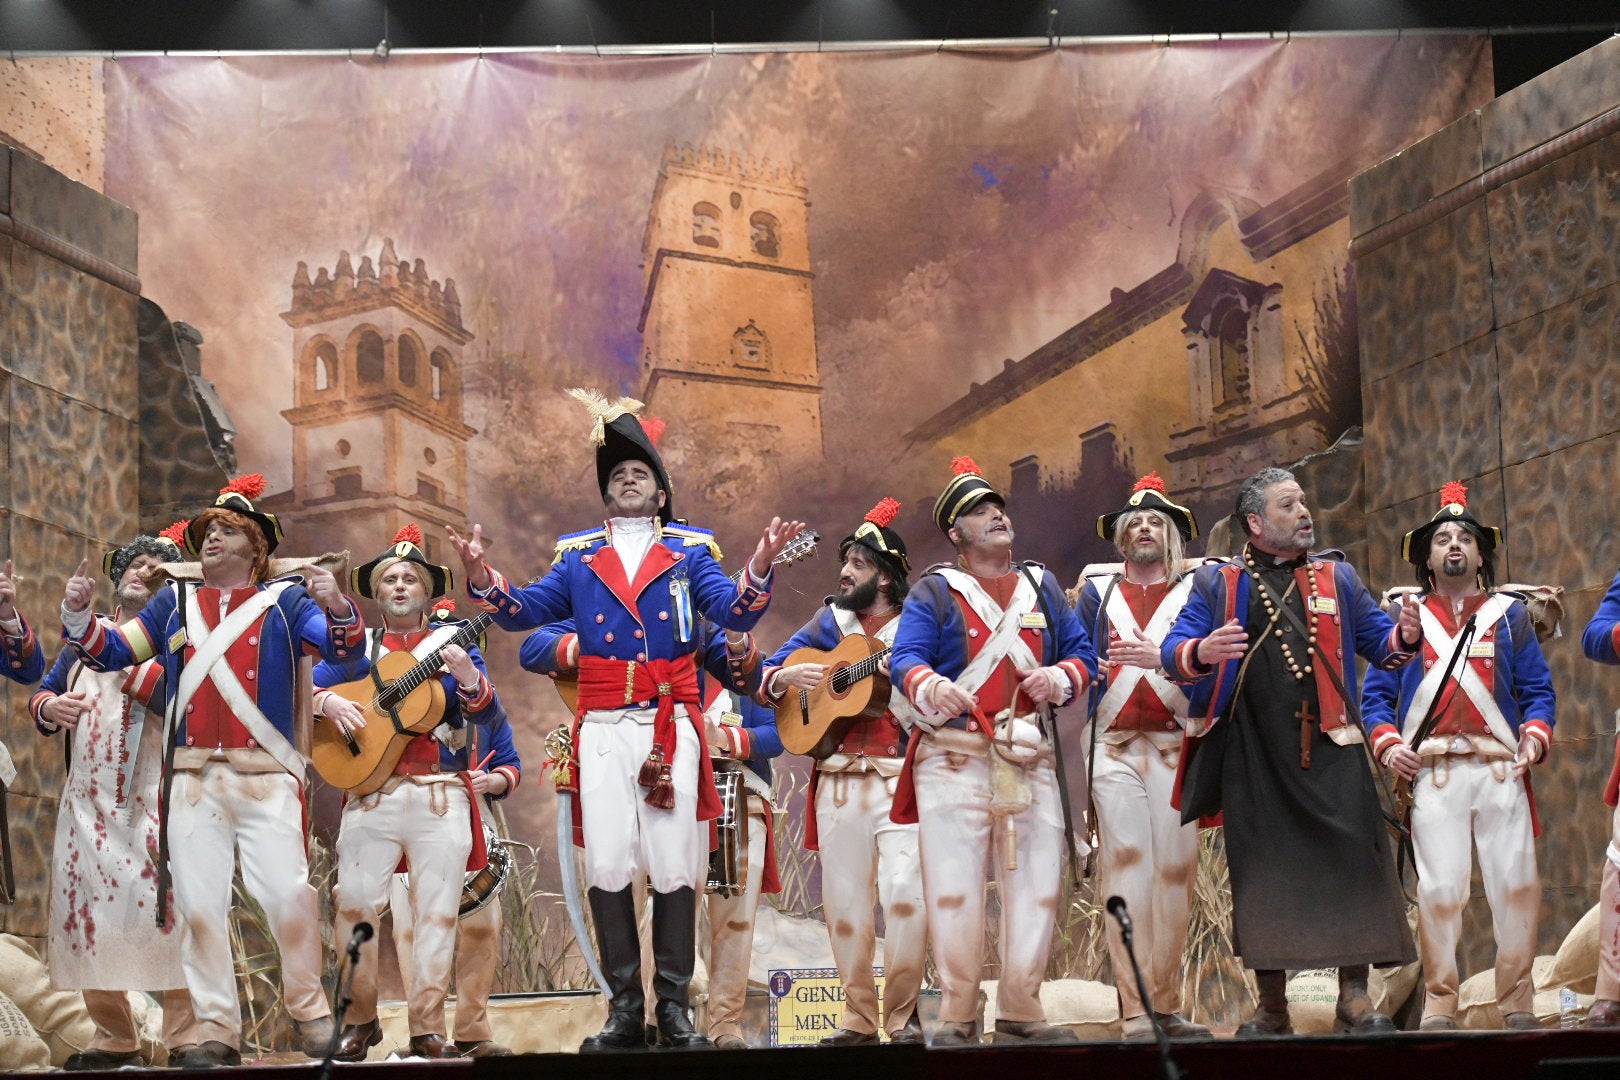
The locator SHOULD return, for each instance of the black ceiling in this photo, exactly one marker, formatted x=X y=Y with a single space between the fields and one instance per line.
x=1526 y=42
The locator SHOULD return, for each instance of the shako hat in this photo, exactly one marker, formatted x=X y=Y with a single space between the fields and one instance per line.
x=620 y=436
x=874 y=534
x=967 y=489
x=165 y=547
x=1148 y=494
x=237 y=497
x=1453 y=507
x=407 y=547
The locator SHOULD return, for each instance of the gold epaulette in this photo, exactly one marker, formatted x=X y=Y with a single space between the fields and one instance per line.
x=576 y=542
x=691 y=537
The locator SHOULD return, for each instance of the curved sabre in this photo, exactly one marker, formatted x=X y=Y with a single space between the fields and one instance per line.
x=570 y=885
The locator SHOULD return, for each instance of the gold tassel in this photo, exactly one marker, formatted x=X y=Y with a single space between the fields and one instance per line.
x=662 y=794
x=653 y=769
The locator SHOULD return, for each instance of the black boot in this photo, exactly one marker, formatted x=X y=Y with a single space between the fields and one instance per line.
x=620 y=947
x=674 y=941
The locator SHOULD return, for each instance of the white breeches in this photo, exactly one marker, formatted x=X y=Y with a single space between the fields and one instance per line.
x=1148 y=858
x=428 y=824
x=1461 y=801
x=478 y=954
x=213 y=815
x=624 y=837
x=867 y=859
x=731 y=932
x=1608 y=979
x=959 y=836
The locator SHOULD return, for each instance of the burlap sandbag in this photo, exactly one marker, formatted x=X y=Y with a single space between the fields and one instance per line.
x=1089 y=1009
x=1575 y=963
x=1311 y=998
x=1476 y=999
x=58 y=1015
x=528 y=1025
x=20 y=1045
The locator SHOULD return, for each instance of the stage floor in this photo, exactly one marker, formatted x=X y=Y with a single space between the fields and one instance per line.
x=1550 y=1054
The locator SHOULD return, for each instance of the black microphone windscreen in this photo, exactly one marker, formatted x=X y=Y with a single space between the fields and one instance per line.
x=363 y=931
x=1116 y=905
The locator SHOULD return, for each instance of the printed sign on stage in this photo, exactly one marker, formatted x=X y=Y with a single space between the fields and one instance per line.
x=807 y=1003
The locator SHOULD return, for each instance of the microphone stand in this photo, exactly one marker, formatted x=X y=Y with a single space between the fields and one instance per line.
x=345 y=998
x=1167 y=1066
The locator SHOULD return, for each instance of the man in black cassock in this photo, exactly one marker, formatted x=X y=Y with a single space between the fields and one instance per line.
x=1273 y=746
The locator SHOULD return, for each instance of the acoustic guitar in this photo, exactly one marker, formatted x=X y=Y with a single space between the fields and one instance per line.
x=800 y=547
x=811 y=722
x=402 y=698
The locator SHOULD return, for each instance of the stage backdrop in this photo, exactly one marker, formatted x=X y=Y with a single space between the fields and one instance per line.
x=827 y=273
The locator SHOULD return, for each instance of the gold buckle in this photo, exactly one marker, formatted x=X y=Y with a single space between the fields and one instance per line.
x=629 y=681
x=664 y=689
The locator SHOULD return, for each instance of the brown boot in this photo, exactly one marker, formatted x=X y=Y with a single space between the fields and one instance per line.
x=1355 y=1013
x=1271 y=1017
x=1604 y=1013
x=432 y=1045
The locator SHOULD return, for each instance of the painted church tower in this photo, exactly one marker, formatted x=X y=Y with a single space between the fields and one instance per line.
x=727 y=316
x=378 y=437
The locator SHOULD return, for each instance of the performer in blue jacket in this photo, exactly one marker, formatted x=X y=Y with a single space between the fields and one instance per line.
x=867 y=859
x=424 y=814
x=981 y=646
x=230 y=648
x=1471 y=788
x=1601 y=642
x=635 y=588
x=24 y=661
x=1313 y=883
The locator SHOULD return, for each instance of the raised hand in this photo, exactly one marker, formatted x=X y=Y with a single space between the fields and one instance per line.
x=1410 y=625
x=778 y=534
x=1140 y=651
x=471 y=550
x=323 y=586
x=80 y=590
x=1227 y=642
x=8 y=594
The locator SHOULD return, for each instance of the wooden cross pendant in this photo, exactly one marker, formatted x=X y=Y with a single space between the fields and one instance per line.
x=1306 y=719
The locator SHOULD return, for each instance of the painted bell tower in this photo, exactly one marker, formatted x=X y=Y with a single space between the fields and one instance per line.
x=728 y=316
x=378 y=436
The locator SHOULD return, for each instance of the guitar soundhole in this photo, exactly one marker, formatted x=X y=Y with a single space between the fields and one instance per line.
x=838 y=687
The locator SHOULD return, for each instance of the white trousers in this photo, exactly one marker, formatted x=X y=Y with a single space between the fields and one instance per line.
x=867 y=859
x=959 y=835
x=731 y=932
x=1148 y=858
x=1608 y=978
x=428 y=824
x=116 y=1032
x=1460 y=801
x=625 y=838
x=213 y=815
x=478 y=954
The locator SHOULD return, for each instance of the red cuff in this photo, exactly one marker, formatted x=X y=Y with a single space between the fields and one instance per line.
x=512 y=777
x=1383 y=737
x=479 y=696
x=1541 y=731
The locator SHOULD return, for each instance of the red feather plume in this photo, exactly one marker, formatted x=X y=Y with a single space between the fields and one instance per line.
x=964 y=466
x=1152 y=481
x=411 y=533
x=883 y=513
x=249 y=487
x=1454 y=492
x=176 y=533
x=654 y=427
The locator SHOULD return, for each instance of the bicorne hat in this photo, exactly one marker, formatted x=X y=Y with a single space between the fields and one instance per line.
x=620 y=436
x=1148 y=494
x=967 y=489
x=407 y=547
x=237 y=496
x=874 y=534
x=1453 y=507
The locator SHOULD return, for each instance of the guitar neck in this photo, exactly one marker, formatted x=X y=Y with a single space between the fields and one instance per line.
x=859 y=670
x=427 y=667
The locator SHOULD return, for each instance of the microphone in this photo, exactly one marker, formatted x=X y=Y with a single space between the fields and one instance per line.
x=1116 y=908
x=364 y=933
